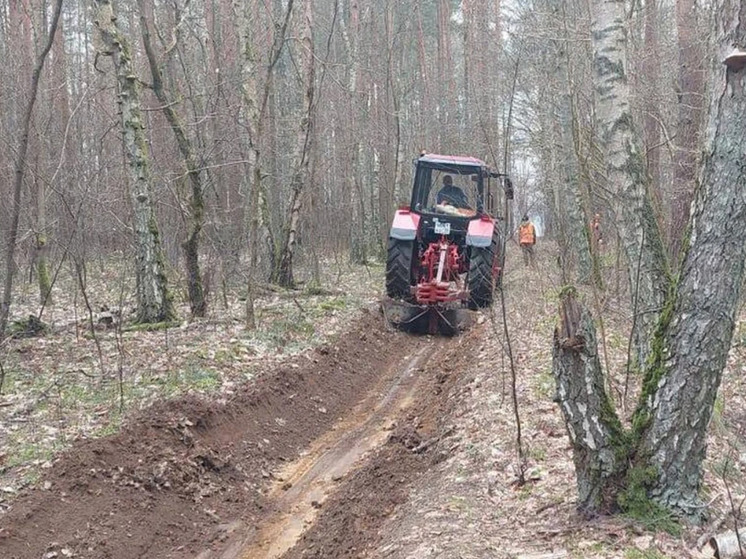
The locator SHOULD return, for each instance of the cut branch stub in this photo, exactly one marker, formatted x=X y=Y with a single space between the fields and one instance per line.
x=570 y=316
x=595 y=431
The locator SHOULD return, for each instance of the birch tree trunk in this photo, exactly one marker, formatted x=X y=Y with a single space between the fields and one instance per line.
x=625 y=172
x=153 y=300
x=19 y=171
x=660 y=459
x=682 y=384
x=283 y=272
x=196 y=217
x=595 y=431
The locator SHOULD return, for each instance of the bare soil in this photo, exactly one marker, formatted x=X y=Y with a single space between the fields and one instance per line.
x=181 y=475
x=350 y=523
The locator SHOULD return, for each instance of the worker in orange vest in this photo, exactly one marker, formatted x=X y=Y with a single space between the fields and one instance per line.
x=527 y=240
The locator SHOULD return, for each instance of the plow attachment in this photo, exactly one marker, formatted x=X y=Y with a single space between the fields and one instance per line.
x=426 y=319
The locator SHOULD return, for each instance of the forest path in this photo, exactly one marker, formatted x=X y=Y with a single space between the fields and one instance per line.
x=304 y=485
x=444 y=484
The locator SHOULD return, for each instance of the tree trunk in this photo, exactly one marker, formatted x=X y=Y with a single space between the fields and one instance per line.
x=681 y=386
x=252 y=114
x=251 y=119
x=691 y=102
x=625 y=172
x=595 y=432
x=651 y=70
x=353 y=183
x=19 y=170
x=283 y=272
x=660 y=460
x=196 y=217
x=42 y=245
x=153 y=300
x=444 y=141
x=569 y=168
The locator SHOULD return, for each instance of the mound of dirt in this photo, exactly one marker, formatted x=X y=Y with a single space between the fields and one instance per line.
x=181 y=473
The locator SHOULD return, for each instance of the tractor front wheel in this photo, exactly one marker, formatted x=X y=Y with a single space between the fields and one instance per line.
x=399 y=269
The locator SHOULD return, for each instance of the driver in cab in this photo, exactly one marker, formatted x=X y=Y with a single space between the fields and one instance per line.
x=451 y=198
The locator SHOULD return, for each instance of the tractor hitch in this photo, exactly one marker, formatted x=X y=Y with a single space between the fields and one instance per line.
x=426 y=319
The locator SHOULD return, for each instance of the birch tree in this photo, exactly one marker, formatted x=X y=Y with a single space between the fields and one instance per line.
x=153 y=300
x=658 y=461
x=196 y=214
x=625 y=172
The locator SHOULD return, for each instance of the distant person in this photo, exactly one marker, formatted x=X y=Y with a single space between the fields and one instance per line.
x=527 y=240
x=597 y=239
x=451 y=194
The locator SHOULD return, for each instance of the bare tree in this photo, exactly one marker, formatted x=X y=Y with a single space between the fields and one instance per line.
x=153 y=300
x=660 y=458
x=253 y=112
x=283 y=269
x=19 y=172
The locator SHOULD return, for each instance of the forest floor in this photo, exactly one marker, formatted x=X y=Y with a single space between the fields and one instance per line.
x=323 y=434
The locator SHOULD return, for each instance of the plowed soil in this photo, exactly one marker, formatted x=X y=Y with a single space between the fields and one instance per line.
x=190 y=478
x=350 y=523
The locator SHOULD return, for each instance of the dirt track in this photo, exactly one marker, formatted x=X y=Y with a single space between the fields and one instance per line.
x=247 y=479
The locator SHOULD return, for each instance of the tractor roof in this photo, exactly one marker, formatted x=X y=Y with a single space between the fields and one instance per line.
x=452 y=160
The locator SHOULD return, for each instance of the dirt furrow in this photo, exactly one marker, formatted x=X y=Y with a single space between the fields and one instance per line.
x=193 y=477
x=350 y=521
x=304 y=485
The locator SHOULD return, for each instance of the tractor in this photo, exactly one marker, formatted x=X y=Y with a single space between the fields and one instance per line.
x=446 y=249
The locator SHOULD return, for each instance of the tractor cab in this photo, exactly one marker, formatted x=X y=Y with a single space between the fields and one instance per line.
x=459 y=186
x=451 y=191
x=445 y=248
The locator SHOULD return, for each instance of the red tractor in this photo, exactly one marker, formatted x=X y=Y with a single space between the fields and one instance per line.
x=446 y=248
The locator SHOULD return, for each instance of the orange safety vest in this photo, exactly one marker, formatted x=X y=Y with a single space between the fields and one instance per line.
x=527 y=234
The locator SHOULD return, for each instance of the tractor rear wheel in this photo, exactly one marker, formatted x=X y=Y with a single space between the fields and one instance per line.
x=399 y=269
x=480 y=278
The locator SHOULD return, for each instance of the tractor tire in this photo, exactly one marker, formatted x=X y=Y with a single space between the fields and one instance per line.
x=399 y=269
x=481 y=282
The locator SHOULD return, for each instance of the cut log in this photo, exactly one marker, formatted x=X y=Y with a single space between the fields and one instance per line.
x=727 y=546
